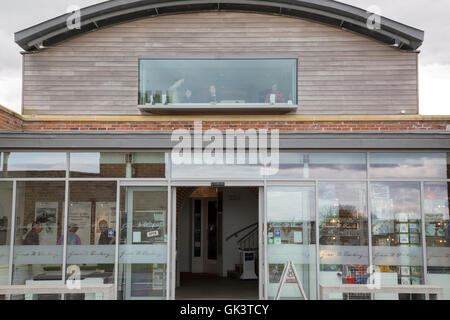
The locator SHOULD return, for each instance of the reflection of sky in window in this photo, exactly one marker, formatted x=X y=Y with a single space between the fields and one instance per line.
x=34 y=161
x=336 y=196
x=390 y=199
x=247 y=170
x=436 y=201
x=289 y=204
x=322 y=165
x=85 y=162
x=408 y=165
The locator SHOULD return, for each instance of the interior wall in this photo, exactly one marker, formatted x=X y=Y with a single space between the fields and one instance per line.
x=240 y=209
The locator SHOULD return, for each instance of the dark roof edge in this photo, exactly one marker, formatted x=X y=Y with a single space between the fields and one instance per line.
x=329 y=12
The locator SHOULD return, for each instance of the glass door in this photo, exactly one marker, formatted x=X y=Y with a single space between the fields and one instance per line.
x=143 y=258
x=291 y=236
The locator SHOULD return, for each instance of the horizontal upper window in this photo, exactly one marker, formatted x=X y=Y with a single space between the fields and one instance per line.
x=408 y=165
x=221 y=82
x=33 y=165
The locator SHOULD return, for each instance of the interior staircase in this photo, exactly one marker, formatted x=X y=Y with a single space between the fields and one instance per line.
x=247 y=243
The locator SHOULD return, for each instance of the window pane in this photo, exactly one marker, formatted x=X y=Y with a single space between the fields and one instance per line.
x=91 y=233
x=337 y=165
x=232 y=81
x=118 y=165
x=39 y=225
x=408 y=165
x=33 y=165
x=396 y=234
x=143 y=243
x=344 y=252
x=291 y=236
x=319 y=165
x=249 y=168
x=437 y=231
x=6 y=190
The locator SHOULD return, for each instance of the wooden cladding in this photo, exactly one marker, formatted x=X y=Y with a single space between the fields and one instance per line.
x=338 y=72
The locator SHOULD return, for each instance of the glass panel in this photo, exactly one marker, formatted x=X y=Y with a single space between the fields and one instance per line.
x=197 y=228
x=39 y=225
x=91 y=233
x=437 y=231
x=118 y=165
x=212 y=230
x=33 y=165
x=256 y=81
x=6 y=191
x=396 y=234
x=320 y=165
x=245 y=166
x=344 y=252
x=408 y=165
x=143 y=243
x=291 y=236
x=336 y=165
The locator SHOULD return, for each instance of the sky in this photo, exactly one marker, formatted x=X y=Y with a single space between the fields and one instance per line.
x=430 y=16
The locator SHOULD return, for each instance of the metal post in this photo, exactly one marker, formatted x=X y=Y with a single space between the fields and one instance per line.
x=116 y=257
x=266 y=265
x=424 y=238
x=369 y=219
x=316 y=207
x=261 y=242
x=12 y=235
x=65 y=222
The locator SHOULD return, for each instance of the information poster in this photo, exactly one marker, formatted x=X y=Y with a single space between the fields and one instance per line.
x=80 y=215
x=48 y=212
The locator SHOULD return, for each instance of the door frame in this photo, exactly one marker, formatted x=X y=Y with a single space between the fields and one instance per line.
x=142 y=185
x=262 y=226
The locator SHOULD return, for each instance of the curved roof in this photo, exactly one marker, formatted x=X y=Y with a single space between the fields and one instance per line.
x=327 y=12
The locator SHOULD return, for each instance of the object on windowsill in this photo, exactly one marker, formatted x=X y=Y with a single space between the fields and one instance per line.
x=273 y=98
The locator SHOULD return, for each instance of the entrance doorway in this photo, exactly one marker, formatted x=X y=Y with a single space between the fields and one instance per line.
x=217 y=243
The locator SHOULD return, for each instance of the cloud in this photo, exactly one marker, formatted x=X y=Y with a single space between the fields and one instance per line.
x=11 y=90
x=434 y=83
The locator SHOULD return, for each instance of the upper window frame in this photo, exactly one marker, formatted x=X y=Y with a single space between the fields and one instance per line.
x=203 y=108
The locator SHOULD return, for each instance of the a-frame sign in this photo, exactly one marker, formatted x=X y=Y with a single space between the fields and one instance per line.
x=289 y=272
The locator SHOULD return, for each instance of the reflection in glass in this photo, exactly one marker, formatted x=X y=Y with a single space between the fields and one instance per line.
x=343 y=234
x=291 y=236
x=396 y=234
x=117 y=165
x=232 y=81
x=437 y=231
x=320 y=165
x=39 y=225
x=33 y=165
x=143 y=243
x=248 y=168
x=408 y=165
x=6 y=190
x=91 y=232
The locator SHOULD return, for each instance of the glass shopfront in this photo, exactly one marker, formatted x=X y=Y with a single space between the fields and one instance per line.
x=109 y=218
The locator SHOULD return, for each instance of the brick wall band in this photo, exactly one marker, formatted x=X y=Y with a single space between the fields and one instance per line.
x=223 y=125
x=9 y=121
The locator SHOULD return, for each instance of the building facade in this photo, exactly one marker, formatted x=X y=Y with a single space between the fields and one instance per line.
x=91 y=189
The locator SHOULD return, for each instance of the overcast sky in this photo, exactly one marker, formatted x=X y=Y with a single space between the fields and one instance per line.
x=431 y=16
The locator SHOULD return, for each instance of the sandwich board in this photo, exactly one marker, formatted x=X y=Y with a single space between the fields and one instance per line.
x=289 y=275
